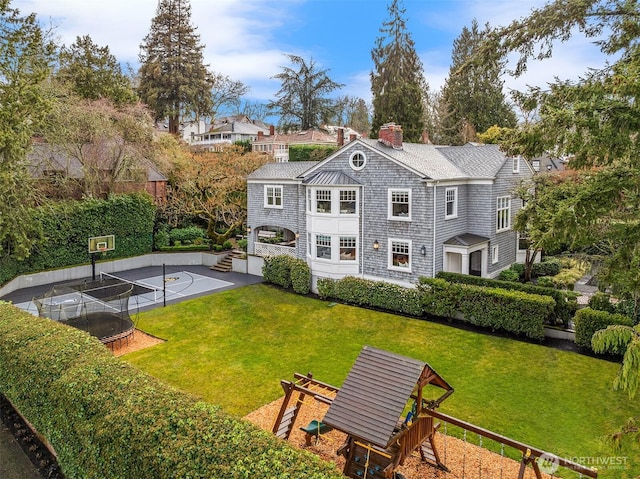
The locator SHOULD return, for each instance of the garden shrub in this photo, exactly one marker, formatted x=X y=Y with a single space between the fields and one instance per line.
x=512 y=311
x=310 y=152
x=227 y=245
x=161 y=240
x=186 y=235
x=242 y=244
x=602 y=302
x=565 y=303
x=518 y=268
x=588 y=321
x=509 y=275
x=546 y=267
x=106 y=419
x=69 y=224
x=628 y=308
x=372 y=294
x=546 y=282
x=300 y=277
x=287 y=272
x=277 y=270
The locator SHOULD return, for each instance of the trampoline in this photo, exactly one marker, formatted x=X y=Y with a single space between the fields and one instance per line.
x=101 y=308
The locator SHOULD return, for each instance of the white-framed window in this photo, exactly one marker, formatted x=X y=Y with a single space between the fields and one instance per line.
x=272 y=196
x=309 y=244
x=357 y=160
x=516 y=164
x=495 y=252
x=535 y=164
x=400 y=255
x=451 y=203
x=323 y=201
x=309 y=198
x=347 y=202
x=400 y=205
x=323 y=247
x=347 y=248
x=503 y=213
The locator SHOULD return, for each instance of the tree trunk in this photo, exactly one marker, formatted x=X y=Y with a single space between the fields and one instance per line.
x=530 y=258
x=174 y=125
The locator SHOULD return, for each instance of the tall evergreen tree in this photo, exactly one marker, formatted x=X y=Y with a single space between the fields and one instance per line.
x=301 y=100
x=174 y=81
x=473 y=99
x=93 y=73
x=397 y=82
x=25 y=62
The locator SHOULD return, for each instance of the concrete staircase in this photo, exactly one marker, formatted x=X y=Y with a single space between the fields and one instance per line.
x=226 y=264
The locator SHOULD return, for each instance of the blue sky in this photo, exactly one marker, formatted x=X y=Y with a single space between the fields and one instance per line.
x=246 y=39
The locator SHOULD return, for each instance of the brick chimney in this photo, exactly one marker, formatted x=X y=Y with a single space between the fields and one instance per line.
x=425 y=137
x=340 y=136
x=260 y=135
x=272 y=130
x=353 y=137
x=391 y=135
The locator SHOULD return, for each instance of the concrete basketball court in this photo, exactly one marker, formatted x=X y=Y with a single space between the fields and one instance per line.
x=174 y=284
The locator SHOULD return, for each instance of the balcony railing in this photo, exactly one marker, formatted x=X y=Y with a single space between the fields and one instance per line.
x=266 y=249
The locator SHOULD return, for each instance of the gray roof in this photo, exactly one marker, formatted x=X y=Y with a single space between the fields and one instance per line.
x=330 y=177
x=239 y=127
x=45 y=157
x=466 y=239
x=446 y=162
x=476 y=160
x=374 y=394
x=288 y=170
x=429 y=161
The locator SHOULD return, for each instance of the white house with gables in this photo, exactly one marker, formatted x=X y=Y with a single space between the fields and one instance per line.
x=388 y=210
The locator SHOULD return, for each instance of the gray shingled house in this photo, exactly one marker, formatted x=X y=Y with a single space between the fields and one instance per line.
x=387 y=210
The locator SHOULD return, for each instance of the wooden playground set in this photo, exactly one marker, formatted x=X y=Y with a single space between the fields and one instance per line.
x=387 y=410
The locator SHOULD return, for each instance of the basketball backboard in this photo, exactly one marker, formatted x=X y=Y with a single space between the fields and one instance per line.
x=100 y=244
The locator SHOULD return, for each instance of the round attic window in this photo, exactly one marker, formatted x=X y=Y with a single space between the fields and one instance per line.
x=357 y=160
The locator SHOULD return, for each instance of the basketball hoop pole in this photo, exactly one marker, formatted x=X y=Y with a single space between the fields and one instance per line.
x=93 y=266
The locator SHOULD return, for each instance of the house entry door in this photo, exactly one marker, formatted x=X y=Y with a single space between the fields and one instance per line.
x=475 y=263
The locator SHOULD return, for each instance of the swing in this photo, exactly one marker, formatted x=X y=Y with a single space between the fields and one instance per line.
x=314 y=429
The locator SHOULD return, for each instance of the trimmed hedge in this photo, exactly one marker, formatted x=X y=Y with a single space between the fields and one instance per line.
x=565 y=304
x=106 y=419
x=310 y=152
x=287 y=272
x=588 y=321
x=67 y=226
x=496 y=308
x=373 y=294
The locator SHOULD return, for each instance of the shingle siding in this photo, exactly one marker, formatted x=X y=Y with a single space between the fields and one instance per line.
x=385 y=170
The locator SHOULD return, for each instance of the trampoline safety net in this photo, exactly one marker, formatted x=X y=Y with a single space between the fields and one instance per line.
x=100 y=308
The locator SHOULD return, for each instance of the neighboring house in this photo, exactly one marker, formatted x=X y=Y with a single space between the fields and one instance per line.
x=185 y=129
x=388 y=210
x=548 y=164
x=277 y=144
x=228 y=131
x=57 y=168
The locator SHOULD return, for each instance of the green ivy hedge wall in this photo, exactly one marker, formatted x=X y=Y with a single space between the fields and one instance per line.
x=106 y=419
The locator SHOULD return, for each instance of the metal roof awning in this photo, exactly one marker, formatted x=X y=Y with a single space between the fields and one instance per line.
x=330 y=177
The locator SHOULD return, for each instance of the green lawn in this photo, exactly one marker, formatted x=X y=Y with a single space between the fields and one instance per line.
x=232 y=349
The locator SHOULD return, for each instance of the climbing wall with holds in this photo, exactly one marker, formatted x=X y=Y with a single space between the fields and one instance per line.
x=366 y=462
